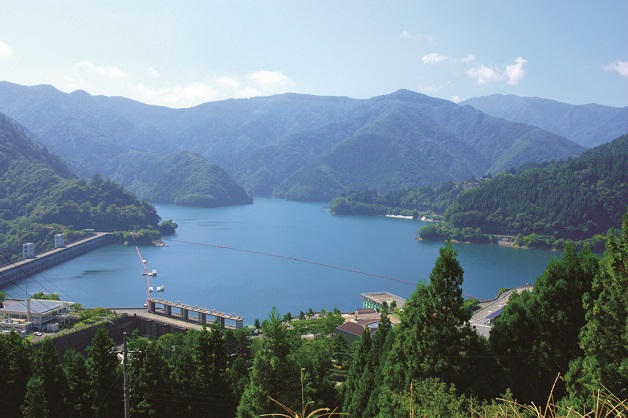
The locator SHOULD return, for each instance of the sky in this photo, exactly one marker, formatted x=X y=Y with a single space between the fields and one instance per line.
x=186 y=52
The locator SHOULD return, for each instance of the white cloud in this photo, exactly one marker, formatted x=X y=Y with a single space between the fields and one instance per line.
x=228 y=82
x=113 y=73
x=432 y=89
x=512 y=74
x=416 y=36
x=483 y=74
x=178 y=96
x=469 y=58
x=153 y=72
x=620 y=67
x=456 y=99
x=270 y=81
x=5 y=51
x=433 y=58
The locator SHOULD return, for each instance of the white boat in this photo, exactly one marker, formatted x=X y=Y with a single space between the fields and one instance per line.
x=161 y=288
x=150 y=288
x=150 y=273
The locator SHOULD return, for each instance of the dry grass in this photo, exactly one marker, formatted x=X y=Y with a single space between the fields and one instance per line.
x=605 y=405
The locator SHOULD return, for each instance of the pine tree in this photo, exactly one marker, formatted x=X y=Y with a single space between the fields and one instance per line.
x=604 y=338
x=35 y=405
x=536 y=337
x=210 y=360
x=434 y=338
x=274 y=374
x=105 y=382
x=75 y=374
x=47 y=367
x=15 y=371
x=355 y=401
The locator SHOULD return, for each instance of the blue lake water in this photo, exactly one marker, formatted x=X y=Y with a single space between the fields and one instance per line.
x=280 y=254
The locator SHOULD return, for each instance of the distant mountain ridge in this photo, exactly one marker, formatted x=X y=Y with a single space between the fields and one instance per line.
x=290 y=145
x=588 y=125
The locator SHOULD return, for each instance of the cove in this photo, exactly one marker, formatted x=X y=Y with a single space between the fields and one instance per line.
x=293 y=255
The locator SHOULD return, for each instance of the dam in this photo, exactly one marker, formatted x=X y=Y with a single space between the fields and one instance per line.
x=26 y=267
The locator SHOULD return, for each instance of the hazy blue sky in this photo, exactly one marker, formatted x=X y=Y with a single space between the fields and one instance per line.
x=182 y=53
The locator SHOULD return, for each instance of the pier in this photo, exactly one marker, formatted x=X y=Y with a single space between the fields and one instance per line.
x=188 y=313
x=27 y=267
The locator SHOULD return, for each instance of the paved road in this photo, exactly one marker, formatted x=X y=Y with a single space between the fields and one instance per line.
x=480 y=319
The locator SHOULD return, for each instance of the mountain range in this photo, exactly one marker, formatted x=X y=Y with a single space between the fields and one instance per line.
x=587 y=125
x=290 y=145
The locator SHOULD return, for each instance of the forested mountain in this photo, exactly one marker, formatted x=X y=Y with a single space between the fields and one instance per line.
x=588 y=125
x=179 y=177
x=573 y=199
x=547 y=202
x=290 y=145
x=40 y=197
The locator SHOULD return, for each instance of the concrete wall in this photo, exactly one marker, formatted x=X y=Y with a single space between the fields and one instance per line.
x=25 y=268
x=82 y=339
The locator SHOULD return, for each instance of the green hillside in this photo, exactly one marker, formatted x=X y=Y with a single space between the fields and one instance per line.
x=40 y=197
x=574 y=199
x=181 y=178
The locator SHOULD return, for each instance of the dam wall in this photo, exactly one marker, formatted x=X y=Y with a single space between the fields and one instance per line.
x=13 y=272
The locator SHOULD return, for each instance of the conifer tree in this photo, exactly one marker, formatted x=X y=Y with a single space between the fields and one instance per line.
x=35 y=404
x=47 y=367
x=15 y=371
x=355 y=401
x=604 y=338
x=536 y=336
x=434 y=338
x=274 y=374
x=75 y=373
x=103 y=368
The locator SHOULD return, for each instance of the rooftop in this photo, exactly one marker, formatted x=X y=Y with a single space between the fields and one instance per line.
x=37 y=305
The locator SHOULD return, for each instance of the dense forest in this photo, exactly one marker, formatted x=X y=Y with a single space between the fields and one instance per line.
x=565 y=341
x=544 y=205
x=40 y=197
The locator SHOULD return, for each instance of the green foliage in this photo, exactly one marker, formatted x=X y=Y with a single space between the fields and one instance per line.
x=103 y=370
x=434 y=338
x=35 y=404
x=604 y=337
x=574 y=199
x=92 y=315
x=15 y=369
x=43 y=296
x=182 y=178
x=422 y=201
x=274 y=371
x=536 y=337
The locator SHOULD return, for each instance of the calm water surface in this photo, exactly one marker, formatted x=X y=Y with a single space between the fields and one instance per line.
x=196 y=272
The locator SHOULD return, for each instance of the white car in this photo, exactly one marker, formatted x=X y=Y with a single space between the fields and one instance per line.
x=38 y=334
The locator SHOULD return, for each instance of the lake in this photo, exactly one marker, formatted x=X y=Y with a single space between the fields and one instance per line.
x=293 y=255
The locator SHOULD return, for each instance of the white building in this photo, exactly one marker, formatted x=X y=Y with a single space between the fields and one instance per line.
x=36 y=313
x=28 y=250
x=59 y=241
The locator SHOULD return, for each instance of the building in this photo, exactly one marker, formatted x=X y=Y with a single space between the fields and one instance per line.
x=30 y=314
x=376 y=300
x=59 y=241
x=28 y=250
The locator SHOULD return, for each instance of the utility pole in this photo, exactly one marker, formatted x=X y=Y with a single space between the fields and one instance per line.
x=126 y=376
